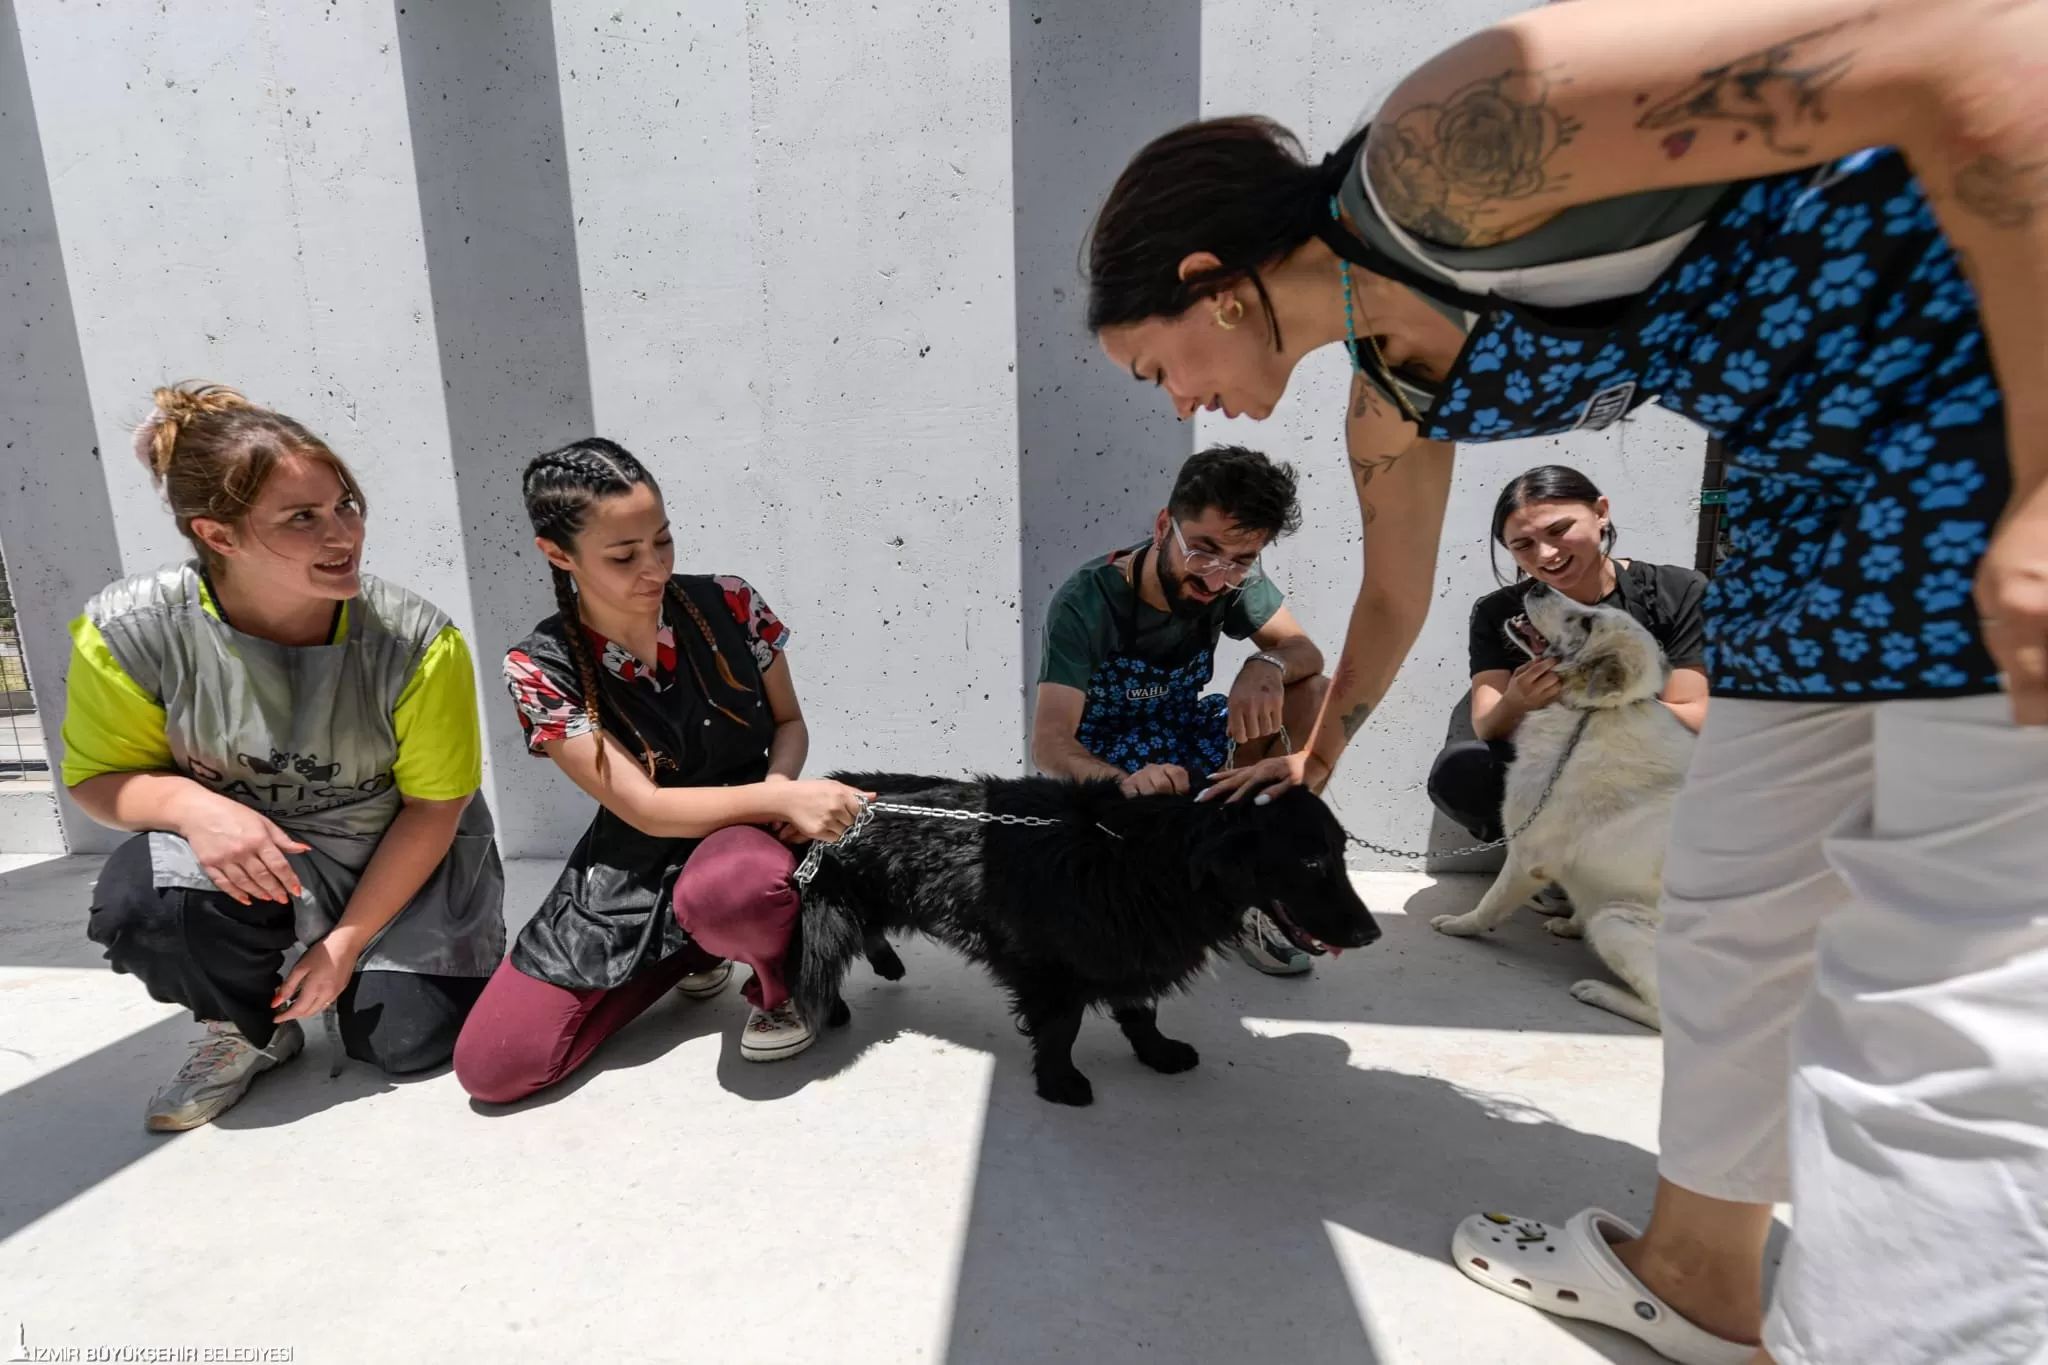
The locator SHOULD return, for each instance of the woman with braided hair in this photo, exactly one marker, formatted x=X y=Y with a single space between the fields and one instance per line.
x=666 y=697
x=295 y=744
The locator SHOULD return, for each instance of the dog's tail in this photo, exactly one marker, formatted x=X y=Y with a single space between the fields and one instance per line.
x=829 y=938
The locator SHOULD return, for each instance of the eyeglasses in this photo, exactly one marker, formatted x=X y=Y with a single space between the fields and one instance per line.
x=1202 y=564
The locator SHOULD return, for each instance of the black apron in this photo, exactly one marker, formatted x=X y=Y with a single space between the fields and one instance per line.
x=609 y=914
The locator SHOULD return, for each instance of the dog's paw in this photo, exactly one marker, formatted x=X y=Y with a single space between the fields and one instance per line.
x=1457 y=926
x=1169 y=1055
x=1615 y=1000
x=840 y=1015
x=887 y=965
x=1565 y=927
x=1069 y=1087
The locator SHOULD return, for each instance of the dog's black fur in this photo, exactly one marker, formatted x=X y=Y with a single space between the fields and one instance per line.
x=1120 y=903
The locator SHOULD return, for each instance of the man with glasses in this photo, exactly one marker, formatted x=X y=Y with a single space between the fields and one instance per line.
x=1130 y=646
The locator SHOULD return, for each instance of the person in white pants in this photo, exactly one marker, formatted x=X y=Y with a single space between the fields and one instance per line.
x=1819 y=230
x=1856 y=897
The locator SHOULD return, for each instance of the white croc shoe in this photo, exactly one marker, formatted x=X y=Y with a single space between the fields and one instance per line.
x=1573 y=1272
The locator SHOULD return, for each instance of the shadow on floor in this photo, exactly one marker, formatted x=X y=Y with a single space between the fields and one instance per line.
x=1204 y=1228
x=1188 y=1218
x=50 y=937
x=66 y=1131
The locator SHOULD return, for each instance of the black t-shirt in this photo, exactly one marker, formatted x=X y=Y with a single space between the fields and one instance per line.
x=1664 y=597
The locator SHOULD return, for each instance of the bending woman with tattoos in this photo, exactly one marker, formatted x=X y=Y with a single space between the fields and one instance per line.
x=1758 y=214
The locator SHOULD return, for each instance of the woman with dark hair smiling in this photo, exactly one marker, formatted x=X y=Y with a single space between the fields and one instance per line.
x=1556 y=525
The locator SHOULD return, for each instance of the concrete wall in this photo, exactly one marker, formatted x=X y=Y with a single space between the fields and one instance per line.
x=1093 y=82
x=770 y=253
x=815 y=264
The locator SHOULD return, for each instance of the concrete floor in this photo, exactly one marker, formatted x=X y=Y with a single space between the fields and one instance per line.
x=898 y=1194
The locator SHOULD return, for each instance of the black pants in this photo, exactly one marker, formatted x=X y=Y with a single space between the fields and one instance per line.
x=1469 y=781
x=224 y=960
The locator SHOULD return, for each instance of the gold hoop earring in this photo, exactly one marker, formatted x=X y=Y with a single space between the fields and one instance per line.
x=1229 y=324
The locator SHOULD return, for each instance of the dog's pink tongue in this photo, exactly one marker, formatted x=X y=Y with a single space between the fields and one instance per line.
x=1333 y=950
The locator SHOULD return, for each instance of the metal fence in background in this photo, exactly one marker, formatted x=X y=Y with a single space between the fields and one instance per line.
x=23 y=758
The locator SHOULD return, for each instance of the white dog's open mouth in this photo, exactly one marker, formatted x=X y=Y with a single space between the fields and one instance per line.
x=1526 y=637
x=1299 y=936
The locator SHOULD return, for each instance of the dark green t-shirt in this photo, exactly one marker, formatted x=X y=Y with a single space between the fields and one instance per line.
x=1092 y=611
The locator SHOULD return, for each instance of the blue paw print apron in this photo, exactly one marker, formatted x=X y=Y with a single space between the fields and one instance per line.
x=1141 y=713
x=1819 y=325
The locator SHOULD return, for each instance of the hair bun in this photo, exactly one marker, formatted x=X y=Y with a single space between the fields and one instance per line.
x=176 y=405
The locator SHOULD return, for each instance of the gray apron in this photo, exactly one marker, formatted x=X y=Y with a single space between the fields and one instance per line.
x=304 y=735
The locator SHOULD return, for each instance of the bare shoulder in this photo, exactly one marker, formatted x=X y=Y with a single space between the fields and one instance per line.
x=1572 y=103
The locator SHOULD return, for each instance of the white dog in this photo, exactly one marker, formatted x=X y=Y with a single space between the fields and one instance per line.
x=1601 y=834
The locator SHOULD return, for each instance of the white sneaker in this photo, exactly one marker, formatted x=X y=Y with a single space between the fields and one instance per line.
x=218 y=1073
x=705 y=984
x=771 y=1035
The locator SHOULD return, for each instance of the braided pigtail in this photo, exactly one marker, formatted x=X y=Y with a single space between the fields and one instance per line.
x=586 y=667
x=696 y=615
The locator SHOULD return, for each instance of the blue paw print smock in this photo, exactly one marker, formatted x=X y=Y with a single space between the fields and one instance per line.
x=1819 y=325
x=1141 y=712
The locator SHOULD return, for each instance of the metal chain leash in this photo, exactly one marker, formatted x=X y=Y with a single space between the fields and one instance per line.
x=1504 y=840
x=1230 y=748
x=816 y=853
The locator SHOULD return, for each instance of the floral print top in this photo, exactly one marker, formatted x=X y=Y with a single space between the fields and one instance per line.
x=547 y=713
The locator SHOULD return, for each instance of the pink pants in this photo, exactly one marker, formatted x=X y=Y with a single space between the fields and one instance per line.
x=733 y=897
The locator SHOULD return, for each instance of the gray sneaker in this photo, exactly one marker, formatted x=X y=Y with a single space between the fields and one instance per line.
x=703 y=985
x=218 y=1073
x=1265 y=949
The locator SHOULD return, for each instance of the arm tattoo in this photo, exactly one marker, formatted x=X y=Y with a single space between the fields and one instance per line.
x=2003 y=193
x=1363 y=470
x=1363 y=400
x=1778 y=91
x=1340 y=683
x=1448 y=171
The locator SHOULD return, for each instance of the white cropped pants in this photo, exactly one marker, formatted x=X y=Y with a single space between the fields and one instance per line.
x=1854 y=971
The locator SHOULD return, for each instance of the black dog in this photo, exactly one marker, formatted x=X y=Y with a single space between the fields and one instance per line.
x=1117 y=903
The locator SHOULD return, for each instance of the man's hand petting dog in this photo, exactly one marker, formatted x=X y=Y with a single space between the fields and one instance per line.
x=1156 y=779
x=1256 y=699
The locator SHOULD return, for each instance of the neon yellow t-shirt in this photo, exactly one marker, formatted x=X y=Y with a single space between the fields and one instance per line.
x=112 y=726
